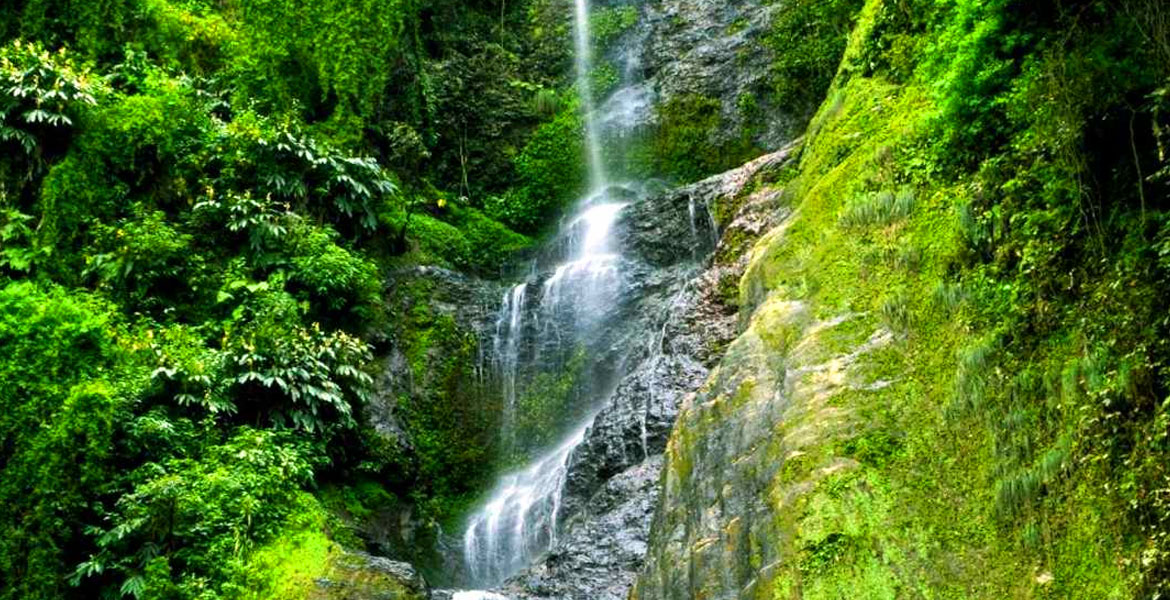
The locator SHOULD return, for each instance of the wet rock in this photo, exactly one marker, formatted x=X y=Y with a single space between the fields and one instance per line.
x=436 y=312
x=678 y=323
x=359 y=576
x=712 y=49
x=471 y=304
x=602 y=547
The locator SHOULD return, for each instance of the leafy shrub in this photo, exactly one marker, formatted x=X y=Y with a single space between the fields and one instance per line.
x=819 y=30
x=150 y=137
x=271 y=367
x=187 y=521
x=17 y=252
x=306 y=54
x=136 y=256
x=260 y=221
x=58 y=423
x=41 y=94
x=95 y=27
x=490 y=243
x=334 y=277
x=483 y=113
x=551 y=171
x=302 y=171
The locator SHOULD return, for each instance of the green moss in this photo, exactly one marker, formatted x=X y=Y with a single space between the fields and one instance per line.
x=604 y=79
x=288 y=567
x=819 y=29
x=547 y=404
x=452 y=422
x=988 y=486
x=610 y=22
x=302 y=562
x=683 y=146
x=460 y=237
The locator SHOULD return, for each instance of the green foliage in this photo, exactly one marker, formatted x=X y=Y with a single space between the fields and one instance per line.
x=334 y=278
x=315 y=375
x=820 y=29
x=139 y=256
x=607 y=23
x=269 y=367
x=94 y=26
x=62 y=398
x=261 y=221
x=551 y=171
x=289 y=564
x=187 y=521
x=462 y=238
x=878 y=209
x=40 y=96
x=312 y=54
x=298 y=169
x=482 y=103
x=16 y=239
x=210 y=183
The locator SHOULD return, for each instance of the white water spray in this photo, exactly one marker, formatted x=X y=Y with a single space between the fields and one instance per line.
x=520 y=518
x=508 y=340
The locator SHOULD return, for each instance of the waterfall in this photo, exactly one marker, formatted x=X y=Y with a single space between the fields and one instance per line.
x=568 y=309
x=520 y=519
x=584 y=37
x=508 y=338
x=518 y=522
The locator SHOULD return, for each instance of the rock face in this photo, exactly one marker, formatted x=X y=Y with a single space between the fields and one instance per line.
x=604 y=544
x=358 y=576
x=612 y=483
x=710 y=49
x=753 y=455
x=432 y=358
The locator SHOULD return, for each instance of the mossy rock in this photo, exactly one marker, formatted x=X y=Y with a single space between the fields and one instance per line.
x=359 y=576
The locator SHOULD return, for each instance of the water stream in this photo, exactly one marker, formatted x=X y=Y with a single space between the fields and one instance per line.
x=566 y=306
x=518 y=522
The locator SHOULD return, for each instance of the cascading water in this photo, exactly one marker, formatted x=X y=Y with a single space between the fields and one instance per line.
x=507 y=352
x=518 y=522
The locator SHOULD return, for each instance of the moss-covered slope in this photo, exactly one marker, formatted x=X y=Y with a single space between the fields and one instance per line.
x=952 y=373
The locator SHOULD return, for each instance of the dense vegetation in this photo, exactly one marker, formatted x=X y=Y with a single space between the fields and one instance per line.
x=200 y=206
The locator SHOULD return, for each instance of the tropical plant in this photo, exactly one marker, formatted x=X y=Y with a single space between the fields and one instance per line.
x=40 y=93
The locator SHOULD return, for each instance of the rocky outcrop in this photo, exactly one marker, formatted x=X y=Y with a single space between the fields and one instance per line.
x=709 y=49
x=422 y=296
x=754 y=473
x=699 y=318
x=715 y=49
x=750 y=450
x=359 y=576
x=602 y=549
x=613 y=476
